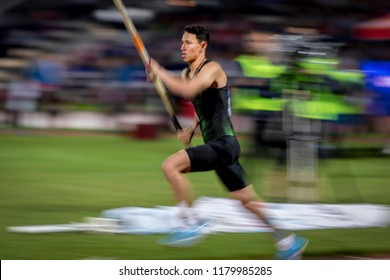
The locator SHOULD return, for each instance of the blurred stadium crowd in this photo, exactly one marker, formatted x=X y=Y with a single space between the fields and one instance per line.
x=314 y=60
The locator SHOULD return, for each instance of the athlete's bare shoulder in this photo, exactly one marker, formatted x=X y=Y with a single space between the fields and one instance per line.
x=219 y=75
x=213 y=66
x=213 y=63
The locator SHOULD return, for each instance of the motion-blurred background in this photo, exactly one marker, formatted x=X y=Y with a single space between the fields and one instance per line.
x=76 y=56
x=82 y=131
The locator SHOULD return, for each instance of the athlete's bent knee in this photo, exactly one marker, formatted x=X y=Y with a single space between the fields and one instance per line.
x=167 y=166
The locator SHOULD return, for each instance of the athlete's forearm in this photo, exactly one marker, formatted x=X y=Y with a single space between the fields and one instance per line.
x=176 y=85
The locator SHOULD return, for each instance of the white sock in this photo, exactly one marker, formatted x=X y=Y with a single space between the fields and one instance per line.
x=187 y=214
x=285 y=243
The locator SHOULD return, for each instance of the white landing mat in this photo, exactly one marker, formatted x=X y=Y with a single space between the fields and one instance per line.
x=225 y=215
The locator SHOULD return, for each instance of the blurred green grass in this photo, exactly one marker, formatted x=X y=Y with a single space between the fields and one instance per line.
x=61 y=178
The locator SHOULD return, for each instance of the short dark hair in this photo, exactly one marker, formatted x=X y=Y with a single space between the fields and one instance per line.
x=202 y=34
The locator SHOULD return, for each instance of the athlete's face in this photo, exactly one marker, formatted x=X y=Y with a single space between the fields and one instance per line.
x=191 y=49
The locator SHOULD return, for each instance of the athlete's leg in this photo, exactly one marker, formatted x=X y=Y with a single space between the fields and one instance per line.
x=289 y=245
x=174 y=168
x=249 y=199
x=190 y=229
x=193 y=159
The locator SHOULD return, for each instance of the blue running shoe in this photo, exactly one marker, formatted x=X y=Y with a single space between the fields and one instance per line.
x=185 y=237
x=296 y=250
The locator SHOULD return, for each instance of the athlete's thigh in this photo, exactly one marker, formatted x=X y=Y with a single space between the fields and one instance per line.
x=178 y=160
x=233 y=176
x=203 y=158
